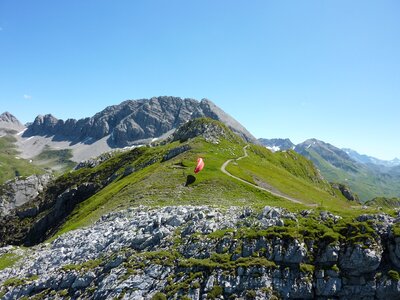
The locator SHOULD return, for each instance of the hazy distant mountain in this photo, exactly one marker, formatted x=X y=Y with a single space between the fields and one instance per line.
x=277 y=144
x=132 y=121
x=333 y=155
x=9 y=123
x=395 y=170
x=365 y=159
x=336 y=165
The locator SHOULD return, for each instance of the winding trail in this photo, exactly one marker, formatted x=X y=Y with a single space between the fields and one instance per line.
x=269 y=190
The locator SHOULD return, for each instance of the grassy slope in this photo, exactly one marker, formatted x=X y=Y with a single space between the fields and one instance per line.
x=10 y=165
x=384 y=202
x=365 y=183
x=57 y=160
x=291 y=174
x=163 y=183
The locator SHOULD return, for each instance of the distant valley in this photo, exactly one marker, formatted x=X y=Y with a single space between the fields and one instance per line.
x=369 y=177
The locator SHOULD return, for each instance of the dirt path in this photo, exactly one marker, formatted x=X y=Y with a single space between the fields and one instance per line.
x=266 y=187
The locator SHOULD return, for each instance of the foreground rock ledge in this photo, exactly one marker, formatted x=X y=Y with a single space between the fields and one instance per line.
x=192 y=252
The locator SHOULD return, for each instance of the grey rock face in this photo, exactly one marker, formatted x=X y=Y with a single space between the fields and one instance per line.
x=193 y=251
x=16 y=192
x=175 y=152
x=131 y=121
x=201 y=127
x=8 y=123
x=357 y=260
x=394 y=250
x=94 y=162
x=346 y=192
x=327 y=286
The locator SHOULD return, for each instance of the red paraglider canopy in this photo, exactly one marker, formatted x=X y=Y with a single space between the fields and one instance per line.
x=200 y=165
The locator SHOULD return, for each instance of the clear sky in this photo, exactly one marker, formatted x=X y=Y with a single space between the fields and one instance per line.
x=296 y=69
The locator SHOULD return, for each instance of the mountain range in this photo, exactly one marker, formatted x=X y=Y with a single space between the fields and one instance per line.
x=369 y=177
x=50 y=143
x=130 y=123
x=138 y=223
x=133 y=122
x=366 y=159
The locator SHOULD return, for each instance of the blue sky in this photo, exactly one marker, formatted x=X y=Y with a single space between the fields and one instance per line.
x=297 y=69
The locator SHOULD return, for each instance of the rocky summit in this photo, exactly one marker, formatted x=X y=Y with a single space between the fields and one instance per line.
x=9 y=123
x=200 y=252
x=133 y=121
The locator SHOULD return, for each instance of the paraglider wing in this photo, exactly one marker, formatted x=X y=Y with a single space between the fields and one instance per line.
x=200 y=165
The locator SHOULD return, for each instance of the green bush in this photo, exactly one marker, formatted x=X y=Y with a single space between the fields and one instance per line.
x=215 y=292
x=306 y=268
x=251 y=294
x=394 y=275
x=159 y=296
x=14 y=281
x=335 y=268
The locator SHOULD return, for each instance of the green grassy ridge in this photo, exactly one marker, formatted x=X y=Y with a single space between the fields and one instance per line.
x=17 y=230
x=384 y=202
x=294 y=163
x=10 y=165
x=365 y=183
x=291 y=174
x=142 y=176
x=163 y=183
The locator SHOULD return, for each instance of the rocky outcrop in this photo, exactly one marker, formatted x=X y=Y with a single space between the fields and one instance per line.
x=35 y=220
x=346 y=192
x=15 y=193
x=45 y=125
x=210 y=130
x=133 y=121
x=175 y=152
x=94 y=162
x=206 y=253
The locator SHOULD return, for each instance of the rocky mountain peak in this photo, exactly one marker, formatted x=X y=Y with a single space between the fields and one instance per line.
x=9 y=121
x=277 y=144
x=8 y=117
x=214 y=112
x=395 y=161
x=322 y=146
x=335 y=156
x=134 y=121
x=43 y=125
